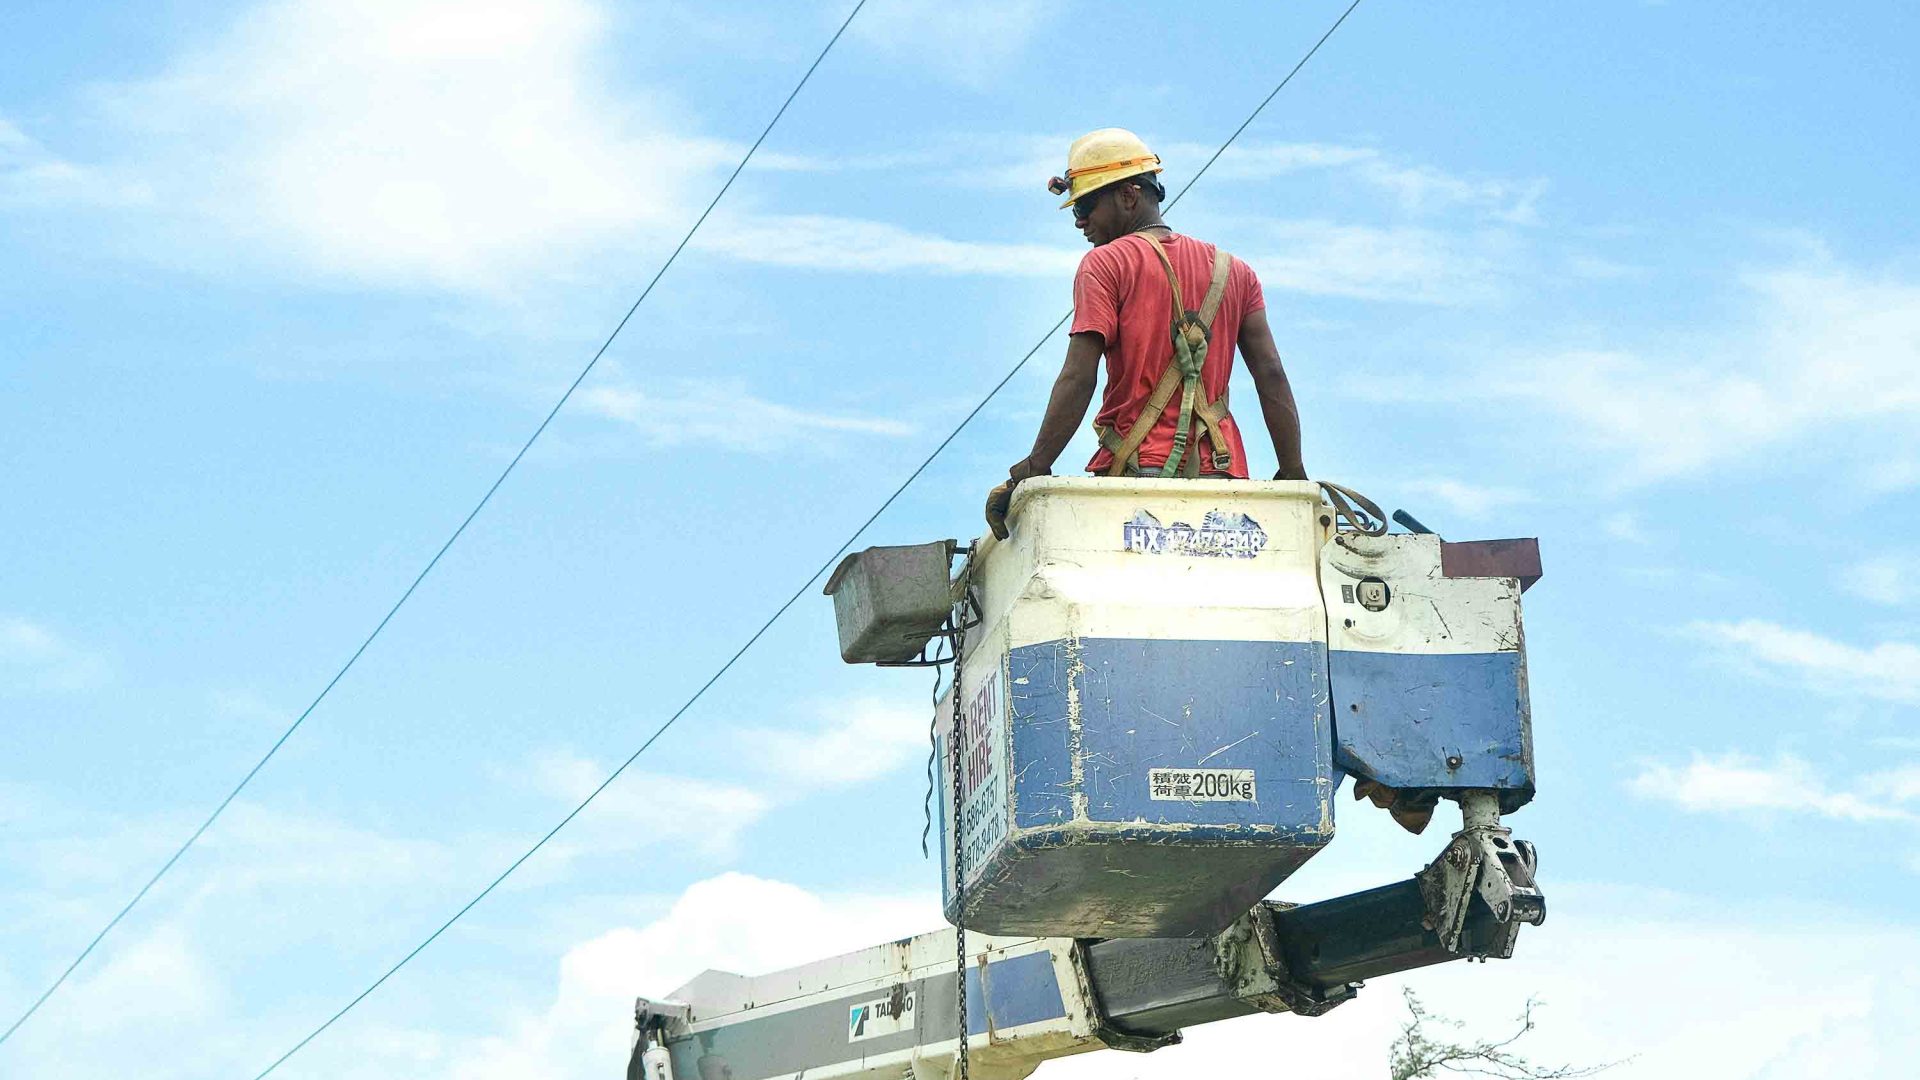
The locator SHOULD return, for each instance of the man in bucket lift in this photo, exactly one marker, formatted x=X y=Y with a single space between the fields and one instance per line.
x=1164 y=412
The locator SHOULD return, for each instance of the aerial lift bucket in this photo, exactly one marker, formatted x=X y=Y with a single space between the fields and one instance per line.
x=1153 y=722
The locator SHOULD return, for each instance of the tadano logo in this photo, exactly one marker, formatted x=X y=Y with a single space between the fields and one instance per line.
x=889 y=1015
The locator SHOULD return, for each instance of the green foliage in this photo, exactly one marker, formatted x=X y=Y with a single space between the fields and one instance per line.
x=1427 y=1048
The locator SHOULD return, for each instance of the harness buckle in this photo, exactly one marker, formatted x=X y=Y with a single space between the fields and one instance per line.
x=1191 y=321
x=1223 y=461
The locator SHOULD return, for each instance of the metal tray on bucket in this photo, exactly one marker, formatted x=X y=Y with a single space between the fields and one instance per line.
x=888 y=602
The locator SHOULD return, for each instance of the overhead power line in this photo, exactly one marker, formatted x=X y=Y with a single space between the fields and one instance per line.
x=805 y=586
x=435 y=561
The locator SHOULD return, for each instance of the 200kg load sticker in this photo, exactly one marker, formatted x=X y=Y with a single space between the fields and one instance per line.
x=1220 y=535
x=1201 y=785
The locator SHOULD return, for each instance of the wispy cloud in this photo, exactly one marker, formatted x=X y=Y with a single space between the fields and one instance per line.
x=1888 y=670
x=1828 y=352
x=1624 y=526
x=1598 y=268
x=257 y=849
x=159 y=979
x=1397 y=263
x=644 y=809
x=1738 y=785
x=1891 y=579
x=834 y=243
x=724 y=414
x=35 y=658
x=1465 y=499
x=854 y=741
x=32 y=175
x=1401 y=264
x=966 y=43
x=1415 y=187
x=1419 y=187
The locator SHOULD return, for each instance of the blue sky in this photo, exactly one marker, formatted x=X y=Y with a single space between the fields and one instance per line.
x=283 y=285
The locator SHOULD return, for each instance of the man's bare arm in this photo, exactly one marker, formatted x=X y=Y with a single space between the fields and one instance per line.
x=1276 y=394
x=1067 y=406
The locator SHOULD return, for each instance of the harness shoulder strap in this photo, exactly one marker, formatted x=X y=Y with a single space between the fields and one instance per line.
x=1217 y=288
x=1166 y=264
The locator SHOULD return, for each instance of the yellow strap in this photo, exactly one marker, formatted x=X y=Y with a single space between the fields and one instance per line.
x=1216 y=290
x=1173 y=279
x=1126 y=448
x=1110 y=166
x=1214 y=415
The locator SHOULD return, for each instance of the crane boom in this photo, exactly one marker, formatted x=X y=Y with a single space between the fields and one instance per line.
x=890 y=1010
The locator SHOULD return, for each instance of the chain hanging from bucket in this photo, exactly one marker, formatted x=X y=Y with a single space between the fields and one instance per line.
x=957 y=750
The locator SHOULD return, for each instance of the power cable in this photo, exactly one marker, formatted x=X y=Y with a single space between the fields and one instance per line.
x=805 y=586
x=435 y=561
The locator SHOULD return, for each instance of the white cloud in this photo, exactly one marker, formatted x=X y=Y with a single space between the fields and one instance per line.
x=408 y=142
x=642 y=809
x=1888 y=671
x=968 y=43
x=66 y=858
x=856 y=741
x=1320 y=258
x=1598 y=268
x=1901 y=785
x=834 y=243
x=724 y=414
x=157 y=980
x=270 y=848
x=734 y=922
x=474 y=147
x=1891 y=580
x=1416 y=187
x=1467 y=500
x=1828 y=353
x=1249 y=160
x=1398 y=263
x=35 y=658
x=32 y=175
x=1419 y=187
x=1737 y=785
x=1893 y=473
x=1624 y=526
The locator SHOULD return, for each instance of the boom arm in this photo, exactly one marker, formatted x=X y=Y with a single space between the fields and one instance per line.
x=889 y=1011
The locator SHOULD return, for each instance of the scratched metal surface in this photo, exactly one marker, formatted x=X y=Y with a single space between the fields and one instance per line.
x=1142 y=641
x=1431 y=690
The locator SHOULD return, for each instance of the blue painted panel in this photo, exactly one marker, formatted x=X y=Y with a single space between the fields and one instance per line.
x=1041 y=759
x=1128 y=864
x=1022 y=990
x=1398 y=717
x=1148 y=704
x=1259 y=705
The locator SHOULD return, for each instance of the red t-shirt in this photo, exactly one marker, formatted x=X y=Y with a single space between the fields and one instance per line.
x=1120 y=292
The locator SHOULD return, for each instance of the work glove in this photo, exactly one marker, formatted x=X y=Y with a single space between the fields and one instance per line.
x=1410 y=809
x=1000 y=499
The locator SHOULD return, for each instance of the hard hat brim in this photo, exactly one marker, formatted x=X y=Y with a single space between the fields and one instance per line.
x=1108 y=182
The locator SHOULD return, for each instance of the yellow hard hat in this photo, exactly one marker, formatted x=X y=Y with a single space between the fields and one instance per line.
x=1099 y=158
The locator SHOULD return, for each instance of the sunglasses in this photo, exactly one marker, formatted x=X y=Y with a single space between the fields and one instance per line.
x=1084 y=205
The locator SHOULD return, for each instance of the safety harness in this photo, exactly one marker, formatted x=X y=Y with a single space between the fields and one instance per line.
x=1191 y=332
